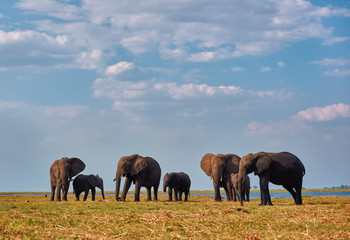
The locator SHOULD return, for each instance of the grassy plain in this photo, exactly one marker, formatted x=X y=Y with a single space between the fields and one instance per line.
x=35 y=217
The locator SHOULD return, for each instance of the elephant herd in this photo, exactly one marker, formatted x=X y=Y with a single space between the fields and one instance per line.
x=228 y=171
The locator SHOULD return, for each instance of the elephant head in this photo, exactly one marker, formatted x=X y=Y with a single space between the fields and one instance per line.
x=220 y=166
x=97 y=181
x=257 y=163
x=128 y=166
x=170 y=180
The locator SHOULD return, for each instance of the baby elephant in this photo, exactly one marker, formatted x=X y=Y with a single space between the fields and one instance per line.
x=83 y=183
x=180 y=182
x=246 y=188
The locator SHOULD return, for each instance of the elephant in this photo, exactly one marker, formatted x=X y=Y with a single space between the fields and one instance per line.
x=282 y=168
x=83 y=183
x=180 y=182
x=219 y=167
x=246 y=187
x=142 y=171
x=61 y=173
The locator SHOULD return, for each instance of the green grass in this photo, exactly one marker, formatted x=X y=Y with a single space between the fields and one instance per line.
x=200 y=218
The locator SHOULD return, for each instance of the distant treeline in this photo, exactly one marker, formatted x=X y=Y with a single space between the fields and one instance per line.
x=339 y=187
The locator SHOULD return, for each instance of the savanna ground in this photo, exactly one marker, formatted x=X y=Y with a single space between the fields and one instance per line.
x=35 y=217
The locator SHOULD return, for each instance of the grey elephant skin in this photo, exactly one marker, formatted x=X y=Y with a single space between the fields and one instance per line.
x=179 y=183
x=85 y=183
x=279 y=168
x=142 y=171
x=61 y=173
x=219 y=167
x=246 y=187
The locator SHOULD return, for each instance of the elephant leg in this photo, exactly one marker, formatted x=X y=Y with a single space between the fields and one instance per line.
x=291 y=191
x=149 y=194
x=170 y=193
x=247 y=194
x=228 y=193
x=180 y=195
x=53 y=188
x=155 y=190
x=65 y=191
x=264 y=188
x=176 y=193
x=127 y=185
x=77 y=195
x=58 y=194
x=217 y=192
x=86 y=193
x=137 y=191
x=186 y=196
x=93 y=193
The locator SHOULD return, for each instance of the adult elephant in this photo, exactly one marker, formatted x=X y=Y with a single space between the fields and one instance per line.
x=179 y=182
x=279 y=168
x=61 y=173
x=85 y=183
x=142 y=171
x=246 y=187
x=219 y=167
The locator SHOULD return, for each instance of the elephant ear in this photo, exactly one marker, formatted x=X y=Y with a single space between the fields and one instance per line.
x=206 y=163
x=139 y=164
x=232 y=164
x=263 y=163
x=77 y=166
x=92 y=180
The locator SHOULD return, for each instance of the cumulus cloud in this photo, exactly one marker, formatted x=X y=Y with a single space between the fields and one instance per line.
x=172 y=29
x=196 y=90
x=119 y=68
x=281 y=64
x=331 y=41
x=326 y=113
x=265 y=69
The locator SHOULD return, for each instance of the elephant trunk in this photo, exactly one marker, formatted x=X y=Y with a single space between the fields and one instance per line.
x=117 y=186
x=165 y=186
x=103 y=192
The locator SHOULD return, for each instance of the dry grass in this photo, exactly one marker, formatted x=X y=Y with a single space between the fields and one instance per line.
x=200 y=218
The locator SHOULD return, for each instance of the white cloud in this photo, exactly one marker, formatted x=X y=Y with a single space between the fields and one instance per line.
x=281 y=64
x=338 y=73
x=52 y=8
x=329 y=12
x=211 y=34
x=196 y=90
x=333 y=62
x=265 y=69
x=326 y=113
x=119 y=68
x=290 y=126
x=10 y=105
x=331 y=41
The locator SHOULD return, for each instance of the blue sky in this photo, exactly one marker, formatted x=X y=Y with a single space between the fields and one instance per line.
x=172 y=80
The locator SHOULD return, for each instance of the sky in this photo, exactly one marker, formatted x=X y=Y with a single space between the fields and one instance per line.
x=173 y=80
